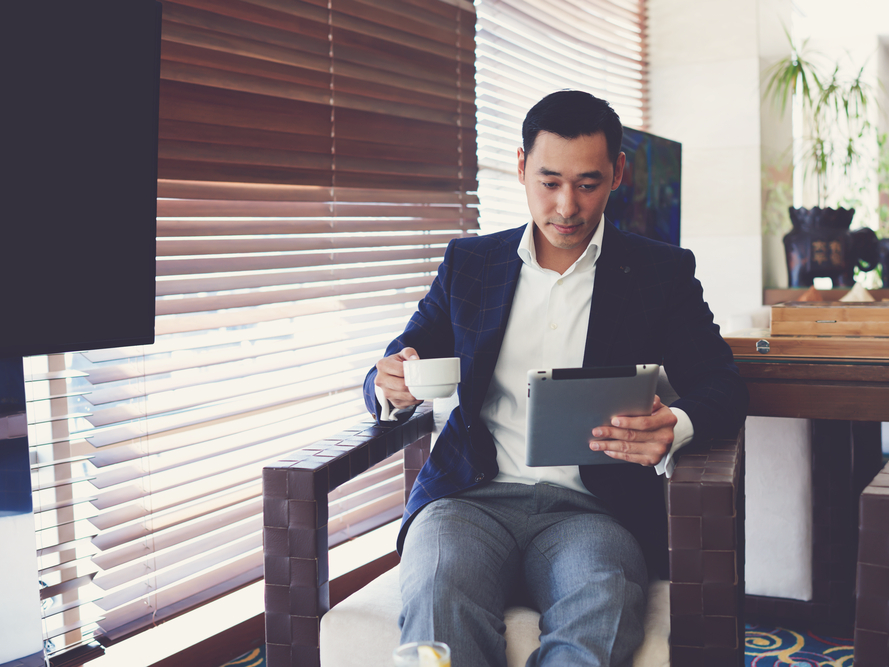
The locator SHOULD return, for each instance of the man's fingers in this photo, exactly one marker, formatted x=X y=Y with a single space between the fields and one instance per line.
x=661 y=418
x=642 y=440
x=644 y=447
x=394 y=364
x=395 y=390
x=390 y=378
x=655 y=445
x=647 y=453
x=630 y=458
x=390 y=383
x=407 y=353
x=390 y=367
x=404 y=402
x=642 y=459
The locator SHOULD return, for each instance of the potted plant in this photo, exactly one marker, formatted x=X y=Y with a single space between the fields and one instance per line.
x=835 y=133
x=883 y=210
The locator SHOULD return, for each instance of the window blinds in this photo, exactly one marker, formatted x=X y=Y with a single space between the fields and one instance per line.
x=314 y=160
x=527 y=49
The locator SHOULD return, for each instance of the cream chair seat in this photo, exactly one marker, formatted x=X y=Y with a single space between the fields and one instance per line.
x=701 y=605
x=369 y=619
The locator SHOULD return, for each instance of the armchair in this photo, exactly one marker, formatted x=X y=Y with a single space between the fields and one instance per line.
x=872 y=599
x=706 y=539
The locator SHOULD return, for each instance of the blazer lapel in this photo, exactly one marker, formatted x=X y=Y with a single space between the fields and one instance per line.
x=614 y=277
x=501 y=267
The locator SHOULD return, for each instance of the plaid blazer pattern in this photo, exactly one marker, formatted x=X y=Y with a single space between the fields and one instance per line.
x=647 y=307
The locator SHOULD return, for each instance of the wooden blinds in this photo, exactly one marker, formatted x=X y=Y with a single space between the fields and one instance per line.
x=360 y=94
x=314 y=161
x=527 y=49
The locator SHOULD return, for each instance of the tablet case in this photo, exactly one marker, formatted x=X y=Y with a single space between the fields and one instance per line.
x=566 y=404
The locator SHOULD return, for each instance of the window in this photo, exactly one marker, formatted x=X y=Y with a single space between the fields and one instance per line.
x=527 y=49
x=315 y=159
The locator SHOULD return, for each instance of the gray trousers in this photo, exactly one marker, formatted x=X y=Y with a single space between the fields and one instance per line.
x=467 y=557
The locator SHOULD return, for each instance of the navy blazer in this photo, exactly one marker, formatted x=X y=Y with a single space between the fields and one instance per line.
x=647 y=307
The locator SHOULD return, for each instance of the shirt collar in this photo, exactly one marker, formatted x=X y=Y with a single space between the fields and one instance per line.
x=528 y=253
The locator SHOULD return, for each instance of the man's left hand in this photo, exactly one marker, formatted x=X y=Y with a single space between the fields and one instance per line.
x=643 y=440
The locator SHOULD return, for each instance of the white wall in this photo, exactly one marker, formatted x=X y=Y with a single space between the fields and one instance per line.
x=779 y=507
x=20 y=625
x=21 y=630
x=705 y=61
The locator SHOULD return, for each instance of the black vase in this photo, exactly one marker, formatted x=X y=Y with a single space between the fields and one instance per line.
x=883 y=245
x=820 y=245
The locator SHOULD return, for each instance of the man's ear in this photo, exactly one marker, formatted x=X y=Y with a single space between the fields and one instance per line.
x=619 y=170
x=521 y=157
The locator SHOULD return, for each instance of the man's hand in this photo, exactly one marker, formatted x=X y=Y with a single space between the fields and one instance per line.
x=642 y=440
x=390 y=378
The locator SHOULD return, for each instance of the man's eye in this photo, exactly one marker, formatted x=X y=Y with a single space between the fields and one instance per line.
x=549 y=186
x=588 y=187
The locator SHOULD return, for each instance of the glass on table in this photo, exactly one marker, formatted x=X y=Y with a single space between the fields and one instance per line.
x=422 y=654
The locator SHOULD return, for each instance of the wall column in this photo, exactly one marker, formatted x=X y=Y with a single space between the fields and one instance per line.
x=705 y=63
x=20 y=617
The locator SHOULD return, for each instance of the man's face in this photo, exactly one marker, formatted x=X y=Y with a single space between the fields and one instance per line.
x=567 y=182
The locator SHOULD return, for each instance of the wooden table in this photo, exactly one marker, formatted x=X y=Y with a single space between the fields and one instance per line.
x=817 y=388
x=847 y=399
x=771 y=296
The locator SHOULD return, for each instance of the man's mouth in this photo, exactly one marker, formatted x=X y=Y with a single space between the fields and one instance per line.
x=565 y=229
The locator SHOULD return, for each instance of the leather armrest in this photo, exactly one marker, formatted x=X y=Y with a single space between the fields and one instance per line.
x=872 y=595
x=705 y=501
x=294 y=493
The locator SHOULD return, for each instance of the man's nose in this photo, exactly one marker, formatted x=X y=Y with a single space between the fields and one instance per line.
x=567 y=204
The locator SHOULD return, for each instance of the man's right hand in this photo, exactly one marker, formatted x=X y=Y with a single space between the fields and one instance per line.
x=390 y=378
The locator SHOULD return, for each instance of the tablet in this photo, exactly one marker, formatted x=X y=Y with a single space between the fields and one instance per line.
x=566 y=404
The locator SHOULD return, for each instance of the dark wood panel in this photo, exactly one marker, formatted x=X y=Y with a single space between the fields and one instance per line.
x=808 y=349
x=773 y=296
x=821 y=400
x=871 y=372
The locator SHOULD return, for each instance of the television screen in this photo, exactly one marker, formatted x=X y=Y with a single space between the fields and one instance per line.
x=77 y=242
x=647 y=202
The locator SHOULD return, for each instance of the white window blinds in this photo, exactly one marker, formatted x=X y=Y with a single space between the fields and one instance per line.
x=527 y=49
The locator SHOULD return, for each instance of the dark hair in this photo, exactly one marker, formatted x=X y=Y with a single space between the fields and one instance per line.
x=571 y=114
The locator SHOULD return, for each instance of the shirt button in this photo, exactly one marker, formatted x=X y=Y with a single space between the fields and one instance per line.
x=553 y=326
x=559 y=281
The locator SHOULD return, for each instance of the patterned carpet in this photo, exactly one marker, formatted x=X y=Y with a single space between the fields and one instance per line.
x=780 y=647
x=256 y=658
x=766 y=647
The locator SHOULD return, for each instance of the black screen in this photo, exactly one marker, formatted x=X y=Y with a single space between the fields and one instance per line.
x=647 y=202
x=79 y=192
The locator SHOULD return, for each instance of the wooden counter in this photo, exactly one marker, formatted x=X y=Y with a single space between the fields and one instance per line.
x=846 y=398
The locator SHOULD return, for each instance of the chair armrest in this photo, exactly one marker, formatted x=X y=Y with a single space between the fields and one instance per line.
x=705 y=501
x=872 y=596
x=294 y=494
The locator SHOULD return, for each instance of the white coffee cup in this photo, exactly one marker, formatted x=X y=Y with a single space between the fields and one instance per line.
x=432 y=378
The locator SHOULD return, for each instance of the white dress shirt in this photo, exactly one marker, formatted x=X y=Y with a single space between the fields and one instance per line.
x=547 y=328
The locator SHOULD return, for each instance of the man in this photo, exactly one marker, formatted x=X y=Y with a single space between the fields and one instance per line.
x=482 y=530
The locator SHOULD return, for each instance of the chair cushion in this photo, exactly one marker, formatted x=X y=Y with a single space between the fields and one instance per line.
x=363 y=629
